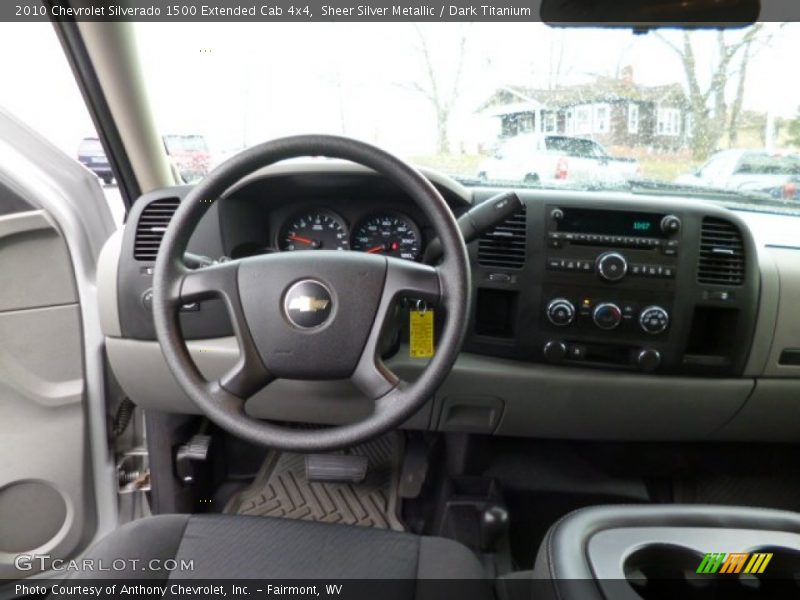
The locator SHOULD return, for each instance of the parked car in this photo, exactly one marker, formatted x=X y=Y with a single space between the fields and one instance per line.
x=751 y=170
x=92 y=156
x=552 y=159
x=189 y=153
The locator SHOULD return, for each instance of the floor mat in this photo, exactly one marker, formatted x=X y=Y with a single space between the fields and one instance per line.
x=281 y=490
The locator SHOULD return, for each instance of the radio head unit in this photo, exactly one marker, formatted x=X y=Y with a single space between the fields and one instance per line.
x=614 y=222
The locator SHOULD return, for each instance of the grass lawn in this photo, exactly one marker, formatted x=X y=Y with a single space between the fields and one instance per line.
x=665 y=167
x=464 y=165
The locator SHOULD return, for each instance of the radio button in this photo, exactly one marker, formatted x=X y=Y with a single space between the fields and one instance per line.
x=607 y=315
x=560 y=312
x=554 y=264
x=611 y=266
x=636 y=269
x=670 y=224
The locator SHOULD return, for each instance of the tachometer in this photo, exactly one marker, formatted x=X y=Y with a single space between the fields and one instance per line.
x=392 y=234
x=315 y=230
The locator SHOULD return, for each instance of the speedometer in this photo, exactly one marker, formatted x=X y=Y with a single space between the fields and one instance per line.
x=392 y=234
x=315 y=230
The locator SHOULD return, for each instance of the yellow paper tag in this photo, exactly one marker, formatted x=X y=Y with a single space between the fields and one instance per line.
x=421 y=333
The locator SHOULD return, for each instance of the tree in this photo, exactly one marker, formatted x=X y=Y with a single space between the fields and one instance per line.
x=432 y=85
x=793 y=130
x=708 y=106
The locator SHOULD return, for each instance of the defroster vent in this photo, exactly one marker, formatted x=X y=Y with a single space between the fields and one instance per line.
x=505 y=245
x=722 y=259
x=151 y=227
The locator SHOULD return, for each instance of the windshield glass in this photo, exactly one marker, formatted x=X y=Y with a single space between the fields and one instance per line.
x=761 y=163
x=499 y=104
x=177 y=144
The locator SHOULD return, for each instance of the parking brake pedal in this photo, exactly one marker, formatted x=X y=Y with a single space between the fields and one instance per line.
x=195 y=450
x=336 y=468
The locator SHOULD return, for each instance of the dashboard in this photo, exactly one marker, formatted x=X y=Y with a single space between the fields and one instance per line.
x=593 y=315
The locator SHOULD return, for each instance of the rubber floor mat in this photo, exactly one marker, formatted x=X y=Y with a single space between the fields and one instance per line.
x=281 y=490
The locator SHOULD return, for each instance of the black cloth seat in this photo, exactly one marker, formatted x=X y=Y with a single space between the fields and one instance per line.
x=242 y=547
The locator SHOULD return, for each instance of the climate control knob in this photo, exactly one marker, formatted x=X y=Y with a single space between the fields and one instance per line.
x=654 y=319
x=611 y=266
x=607 y=315
x=561 y=312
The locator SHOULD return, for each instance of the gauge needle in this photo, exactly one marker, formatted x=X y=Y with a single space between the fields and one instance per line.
x=375 y=249
x=297 y=238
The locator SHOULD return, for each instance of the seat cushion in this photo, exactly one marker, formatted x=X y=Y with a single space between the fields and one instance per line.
x=242 y=547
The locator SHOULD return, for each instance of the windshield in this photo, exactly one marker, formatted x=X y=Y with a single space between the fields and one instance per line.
x=499 y=104
x=177 y=144
x=761 y=163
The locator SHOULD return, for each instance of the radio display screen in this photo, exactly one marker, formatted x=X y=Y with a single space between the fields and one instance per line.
x=610 y=222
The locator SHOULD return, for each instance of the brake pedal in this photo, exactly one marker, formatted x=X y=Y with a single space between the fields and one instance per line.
x=336 y=468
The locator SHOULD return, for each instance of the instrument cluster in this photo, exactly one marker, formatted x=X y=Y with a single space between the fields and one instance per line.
x=390 y=233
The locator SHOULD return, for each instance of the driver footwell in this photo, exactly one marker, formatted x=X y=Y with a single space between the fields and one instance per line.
x=281 y=489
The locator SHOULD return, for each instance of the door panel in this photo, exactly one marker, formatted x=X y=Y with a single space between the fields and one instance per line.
x=43 y=503
x=57 y=486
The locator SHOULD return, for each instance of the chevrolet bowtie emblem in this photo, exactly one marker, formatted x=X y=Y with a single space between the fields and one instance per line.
x=308 y=304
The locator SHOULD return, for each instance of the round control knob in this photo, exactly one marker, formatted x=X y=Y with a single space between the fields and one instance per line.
x=607 y=315
x=147 y=299
x=648 y=359
x=611 y=266
x=556 y=214
x=561 y=312
x=670 y=224
x=654 y=319
x=555 y=351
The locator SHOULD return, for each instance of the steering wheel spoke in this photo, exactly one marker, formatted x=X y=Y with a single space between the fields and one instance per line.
x=412 y=280
x=403 y=279
x=249 y=374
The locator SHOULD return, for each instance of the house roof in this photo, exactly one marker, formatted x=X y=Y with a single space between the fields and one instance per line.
x=603 y=89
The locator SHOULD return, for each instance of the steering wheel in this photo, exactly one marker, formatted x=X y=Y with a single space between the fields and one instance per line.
x=313 y=315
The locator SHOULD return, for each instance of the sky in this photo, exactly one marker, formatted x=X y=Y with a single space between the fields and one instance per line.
x=242 y=83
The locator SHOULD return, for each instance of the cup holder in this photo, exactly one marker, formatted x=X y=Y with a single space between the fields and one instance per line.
x=668 y=571
x=781 y=575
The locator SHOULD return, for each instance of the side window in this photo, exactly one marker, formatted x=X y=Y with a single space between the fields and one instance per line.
x=38 y=88
x=596 y=150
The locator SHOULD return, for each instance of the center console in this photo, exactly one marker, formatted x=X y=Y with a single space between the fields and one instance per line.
x=670 y=287
x=654 y=552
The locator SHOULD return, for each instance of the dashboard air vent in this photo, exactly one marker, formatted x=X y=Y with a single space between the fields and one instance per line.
x=504 y=246
x=721 y=253
x=151 y=227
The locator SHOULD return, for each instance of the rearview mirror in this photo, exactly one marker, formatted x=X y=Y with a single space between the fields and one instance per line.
x=651 y=14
